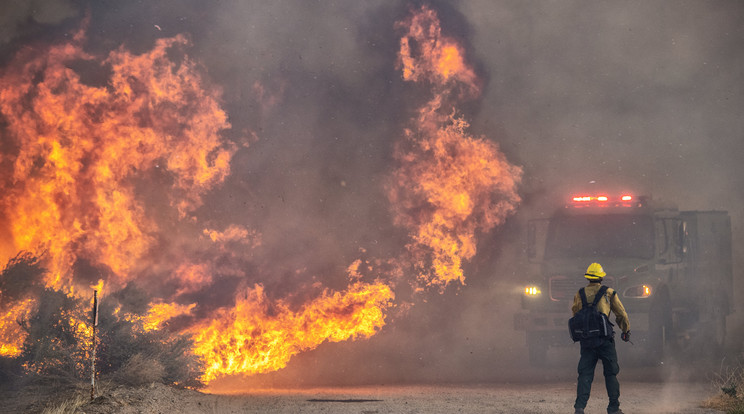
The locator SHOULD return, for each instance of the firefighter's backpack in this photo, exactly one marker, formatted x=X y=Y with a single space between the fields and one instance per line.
x=589 y=324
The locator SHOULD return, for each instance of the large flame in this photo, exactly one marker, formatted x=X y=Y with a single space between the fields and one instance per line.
x=449 y=185
x=81 y=149
x=259 y=336
x=83 y=144
x=426 y=55
x=11 y=334
x=72 y=194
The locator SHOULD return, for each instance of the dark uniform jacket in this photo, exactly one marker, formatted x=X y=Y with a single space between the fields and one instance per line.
x=610 y=302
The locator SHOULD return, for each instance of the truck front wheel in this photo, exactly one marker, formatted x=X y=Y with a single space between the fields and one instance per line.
x=537 y=349
x=714 y=335
x=659 y=330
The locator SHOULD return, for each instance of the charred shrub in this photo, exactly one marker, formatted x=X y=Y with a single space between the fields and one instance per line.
x=125 y=347
x=21 y=282
x=56 y=337
x=59 y=335
x=21 y=276
x=140 y=370
x=147 y=357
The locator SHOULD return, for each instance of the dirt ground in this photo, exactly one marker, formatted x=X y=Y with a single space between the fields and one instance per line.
x=544 y=398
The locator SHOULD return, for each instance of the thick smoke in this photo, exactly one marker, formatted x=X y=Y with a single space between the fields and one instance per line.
x=639 y=96
x=21 y=19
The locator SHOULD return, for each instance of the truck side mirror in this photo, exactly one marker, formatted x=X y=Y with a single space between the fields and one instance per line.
x=682 y=237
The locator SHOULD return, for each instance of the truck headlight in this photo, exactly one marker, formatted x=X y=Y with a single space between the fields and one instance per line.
x=532 y=291
x=640 y=291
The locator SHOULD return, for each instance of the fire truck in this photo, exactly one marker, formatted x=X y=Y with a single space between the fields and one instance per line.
x=672 y=270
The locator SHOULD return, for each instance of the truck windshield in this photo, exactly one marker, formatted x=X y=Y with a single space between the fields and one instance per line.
x=608 y=235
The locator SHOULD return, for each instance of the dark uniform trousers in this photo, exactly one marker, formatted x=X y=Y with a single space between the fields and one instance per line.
x=590 y=354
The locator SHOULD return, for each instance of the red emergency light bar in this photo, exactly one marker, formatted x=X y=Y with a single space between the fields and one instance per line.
x=586 y=199
x=602 y=200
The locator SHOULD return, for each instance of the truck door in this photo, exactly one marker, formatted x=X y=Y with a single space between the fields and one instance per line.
x=670 y=250
x=670 y=244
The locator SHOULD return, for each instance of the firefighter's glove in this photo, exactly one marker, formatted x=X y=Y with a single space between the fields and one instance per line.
x=625 y=336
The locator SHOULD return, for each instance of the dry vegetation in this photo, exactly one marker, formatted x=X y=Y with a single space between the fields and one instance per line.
x=68 y=406
x=730 y=382
x=55 y=355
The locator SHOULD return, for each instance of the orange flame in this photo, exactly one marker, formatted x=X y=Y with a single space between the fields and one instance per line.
x=427 y=55
x=79 y=151
x=449 y=185
x=72 y=193
x=11 y=334
x=192 y=277
x=258 y=336
x=160 y=313
x=234 y=234
x=81 y=148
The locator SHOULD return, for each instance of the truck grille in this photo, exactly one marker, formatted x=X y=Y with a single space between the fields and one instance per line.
x=563 y=289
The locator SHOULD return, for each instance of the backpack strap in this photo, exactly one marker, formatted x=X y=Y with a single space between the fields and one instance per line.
x=584 y=302
x=598 y=296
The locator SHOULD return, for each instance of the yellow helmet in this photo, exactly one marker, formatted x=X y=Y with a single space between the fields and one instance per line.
x=595 y=272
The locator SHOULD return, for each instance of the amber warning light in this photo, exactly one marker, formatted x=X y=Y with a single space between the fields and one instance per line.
x=532 y=291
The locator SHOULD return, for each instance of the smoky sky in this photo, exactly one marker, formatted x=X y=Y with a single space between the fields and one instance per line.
x=642 y=96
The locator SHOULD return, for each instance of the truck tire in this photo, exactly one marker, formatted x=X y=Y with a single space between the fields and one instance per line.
x=537 y=349
x=705 y=338
x=715 y=334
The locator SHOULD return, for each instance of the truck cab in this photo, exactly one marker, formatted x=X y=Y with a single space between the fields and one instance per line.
x=670 y=268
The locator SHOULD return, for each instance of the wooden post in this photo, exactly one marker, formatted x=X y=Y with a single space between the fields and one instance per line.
x=93 y=352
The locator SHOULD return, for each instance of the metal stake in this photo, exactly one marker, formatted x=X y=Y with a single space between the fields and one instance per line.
x=93 y=353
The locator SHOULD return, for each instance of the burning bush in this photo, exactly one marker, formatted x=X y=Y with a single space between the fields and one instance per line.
x=140 y=370
x=58 y=337
x=55 y=344
x=126 y=348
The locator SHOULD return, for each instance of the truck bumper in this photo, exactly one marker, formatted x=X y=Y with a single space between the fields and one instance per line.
x=558 y=322
x=527 y=321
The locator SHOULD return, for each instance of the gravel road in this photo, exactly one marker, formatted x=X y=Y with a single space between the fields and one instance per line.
x=541 y=391
x=543 y=398
x=637 y=397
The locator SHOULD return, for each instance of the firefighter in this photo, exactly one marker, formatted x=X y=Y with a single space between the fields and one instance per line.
x=604 y=349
